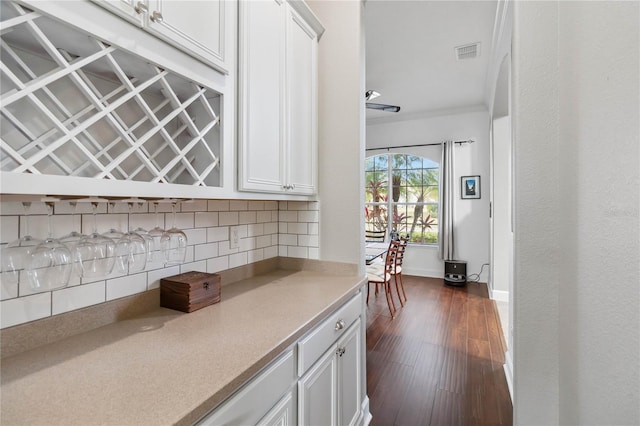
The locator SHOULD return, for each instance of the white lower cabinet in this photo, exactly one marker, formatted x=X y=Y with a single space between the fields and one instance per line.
x=316 y=382
x=329 y=393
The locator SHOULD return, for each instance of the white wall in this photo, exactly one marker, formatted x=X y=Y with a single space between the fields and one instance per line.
x=503 y=237
x=576 y=126
x=341 y=130
x=471 y=216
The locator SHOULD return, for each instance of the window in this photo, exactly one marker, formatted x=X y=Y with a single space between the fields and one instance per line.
x=412 y=182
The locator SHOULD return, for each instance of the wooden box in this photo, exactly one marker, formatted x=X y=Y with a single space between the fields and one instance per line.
x=190 y=291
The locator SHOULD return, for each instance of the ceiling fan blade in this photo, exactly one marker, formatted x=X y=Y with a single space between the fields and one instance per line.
x=383 y=107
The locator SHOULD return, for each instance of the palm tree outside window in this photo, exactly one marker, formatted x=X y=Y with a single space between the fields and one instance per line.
x=401 y=196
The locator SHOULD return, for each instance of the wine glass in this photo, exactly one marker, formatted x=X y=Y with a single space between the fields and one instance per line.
x=156 y=234
x=50 y=264
x=95 y=253
x=16 y=255
x=174 y=243
x=148 y=240
x=131 y=250
x=71 y=240
x=121 y=249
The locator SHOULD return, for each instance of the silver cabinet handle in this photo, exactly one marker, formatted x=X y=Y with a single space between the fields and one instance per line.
x=340 y=325
x=340 y=351
x=141 y=8
x=157 y=17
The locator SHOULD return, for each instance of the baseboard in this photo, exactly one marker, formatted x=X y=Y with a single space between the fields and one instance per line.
x=418 y=272
x=499 y=295
x=365 y=414
x=508 y=371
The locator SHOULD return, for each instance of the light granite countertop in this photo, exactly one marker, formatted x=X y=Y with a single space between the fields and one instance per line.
x=168 y=367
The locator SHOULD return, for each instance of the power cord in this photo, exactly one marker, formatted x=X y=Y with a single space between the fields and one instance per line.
x=475 y=278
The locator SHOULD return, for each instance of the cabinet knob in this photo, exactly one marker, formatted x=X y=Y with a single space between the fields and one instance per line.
x=340 y=351
x=340 y=325
x=157 y=17
x=141 y=8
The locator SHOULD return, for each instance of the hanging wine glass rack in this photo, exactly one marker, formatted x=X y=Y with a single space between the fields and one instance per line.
x=73 y=105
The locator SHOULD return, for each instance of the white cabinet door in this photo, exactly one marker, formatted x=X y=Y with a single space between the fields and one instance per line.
x=261 y=95
x=302 y=45
x=317 y=402
x=133 y=11
x=197 y=27
x=283 y=414
x=277 y=130
x=350 y=375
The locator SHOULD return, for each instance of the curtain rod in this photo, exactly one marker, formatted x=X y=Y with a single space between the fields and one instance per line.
x=422 y=144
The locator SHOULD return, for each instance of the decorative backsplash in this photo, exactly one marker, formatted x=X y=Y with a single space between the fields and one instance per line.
x=266 y=229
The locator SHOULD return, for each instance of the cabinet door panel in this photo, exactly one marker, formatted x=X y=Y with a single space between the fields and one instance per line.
x=283 y=414
x=302 y=101
x=261 y=95
x=349 y=375
x=131 y=10
x=317 y=392
x=195 y=26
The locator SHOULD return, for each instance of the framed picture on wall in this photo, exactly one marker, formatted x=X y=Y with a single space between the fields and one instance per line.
x=470 y=187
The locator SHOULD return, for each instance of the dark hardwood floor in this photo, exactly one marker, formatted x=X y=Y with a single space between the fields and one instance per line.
x=439 y=362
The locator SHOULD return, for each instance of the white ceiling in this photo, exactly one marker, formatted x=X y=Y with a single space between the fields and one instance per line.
x=411 y=59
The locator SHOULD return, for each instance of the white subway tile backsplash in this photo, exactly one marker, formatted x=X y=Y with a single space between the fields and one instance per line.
x=255 y=229
x=248 y=217
x=193 y=206
x=266 y=229
x=24 y=309
x=238 y=259
x=238 y=205
x=154 y=277
x=9 y=229
x=8 y=287
x=206 y=219
x=200 y=266
x=126 y=286
x=297 y=228
x=263 y=217
x=81 y=296
x=301 y=252
x=217 y=264
x=217 y=234
x=288 y=240
x=255 y=255
x=218 y=205
x=228 y=218
x=196 y=236
x=288 y=216
x=205 y=251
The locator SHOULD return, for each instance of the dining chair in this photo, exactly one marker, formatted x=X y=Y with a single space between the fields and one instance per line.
x=382 y=276
x=397 y=268
x=374 y=235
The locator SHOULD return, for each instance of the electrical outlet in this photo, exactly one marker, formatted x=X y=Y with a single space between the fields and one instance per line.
x=234 y=238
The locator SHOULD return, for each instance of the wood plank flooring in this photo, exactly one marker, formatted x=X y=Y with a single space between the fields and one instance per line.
x=439 y=362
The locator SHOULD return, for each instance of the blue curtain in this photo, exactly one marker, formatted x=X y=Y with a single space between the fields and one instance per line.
x=445 y=215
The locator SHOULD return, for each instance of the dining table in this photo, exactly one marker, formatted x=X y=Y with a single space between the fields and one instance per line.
x=373 y=250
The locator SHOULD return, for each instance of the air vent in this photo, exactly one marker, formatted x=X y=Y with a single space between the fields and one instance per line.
x=468 y=51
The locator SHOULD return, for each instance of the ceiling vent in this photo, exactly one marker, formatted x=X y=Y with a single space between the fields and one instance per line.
x=468 y=51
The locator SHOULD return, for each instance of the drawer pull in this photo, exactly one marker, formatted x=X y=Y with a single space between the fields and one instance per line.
x=340 y=351
x=157 y=17
x=141 y=8
x=340 y=325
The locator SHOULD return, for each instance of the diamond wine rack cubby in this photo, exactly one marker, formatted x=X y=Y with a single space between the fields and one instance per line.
x=73 y=105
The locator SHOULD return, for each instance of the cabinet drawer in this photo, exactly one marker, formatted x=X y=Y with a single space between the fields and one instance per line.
x=311 y=347
x=256 y=398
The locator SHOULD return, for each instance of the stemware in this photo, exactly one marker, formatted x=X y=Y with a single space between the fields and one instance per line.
x=174 y=242
x=156 y=234
x=95 y=253
x=148 y=239
x=17 y=254
x=71 y=240
x=50 y=265
x=131 y=250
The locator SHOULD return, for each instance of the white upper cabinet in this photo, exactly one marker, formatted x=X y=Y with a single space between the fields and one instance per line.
x=277 y=128
x=196 y=27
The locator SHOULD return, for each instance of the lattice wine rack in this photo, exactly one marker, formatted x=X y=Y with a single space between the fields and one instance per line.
x=73 y=105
